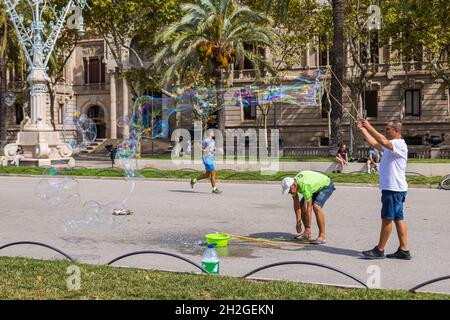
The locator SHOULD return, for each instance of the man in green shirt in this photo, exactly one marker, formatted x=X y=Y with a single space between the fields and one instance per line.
x=316 y=188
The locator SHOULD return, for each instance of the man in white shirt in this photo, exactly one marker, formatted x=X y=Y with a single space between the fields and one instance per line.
x=393 y=186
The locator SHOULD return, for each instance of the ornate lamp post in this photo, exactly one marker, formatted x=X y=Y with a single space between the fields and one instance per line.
x=40 y=142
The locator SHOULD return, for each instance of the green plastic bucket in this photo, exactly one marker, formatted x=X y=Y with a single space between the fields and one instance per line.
x=220 y=239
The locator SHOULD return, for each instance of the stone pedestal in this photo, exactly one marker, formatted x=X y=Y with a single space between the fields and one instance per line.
x=435 y=153
x=41 y=148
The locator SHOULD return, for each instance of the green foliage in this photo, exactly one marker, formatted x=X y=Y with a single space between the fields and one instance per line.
x=413 y=25
x=37 y=279
x=119 y=21
x=211 y=35
x=297 y=22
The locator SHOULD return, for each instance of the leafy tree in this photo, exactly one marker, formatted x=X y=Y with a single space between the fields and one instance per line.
x=420 y=32
x=211 y=37
x=129 y=27
x=9 y=55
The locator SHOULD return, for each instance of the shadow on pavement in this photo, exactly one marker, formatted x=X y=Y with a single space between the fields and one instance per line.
x=289 y=237
x=187 y=191
x=334 y=250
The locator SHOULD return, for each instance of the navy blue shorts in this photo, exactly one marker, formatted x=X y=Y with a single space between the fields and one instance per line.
x=392 y=202
x=322 y=196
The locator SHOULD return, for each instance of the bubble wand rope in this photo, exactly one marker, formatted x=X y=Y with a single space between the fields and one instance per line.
x=267 y=241
x=345 y=91
x=343 y=108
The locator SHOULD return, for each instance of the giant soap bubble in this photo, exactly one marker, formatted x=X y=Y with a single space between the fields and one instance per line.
x=57 y=189
x=79 y=131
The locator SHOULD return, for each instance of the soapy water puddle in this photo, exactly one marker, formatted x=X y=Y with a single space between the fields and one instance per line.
x=194 y=244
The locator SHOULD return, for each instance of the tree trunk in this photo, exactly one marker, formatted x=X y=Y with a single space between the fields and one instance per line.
x=266 y=116
x=3 y=107
x=219 y=97
x=338 y=66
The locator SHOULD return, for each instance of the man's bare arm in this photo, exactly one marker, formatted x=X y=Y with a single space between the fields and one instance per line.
x=381 y=139
x=370 y=140
x=308 y=213
x=297 y=208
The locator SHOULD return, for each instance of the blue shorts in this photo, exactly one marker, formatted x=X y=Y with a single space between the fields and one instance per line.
x=322 y=196
x=374 y=154
x=208 y=162
x=392 y=202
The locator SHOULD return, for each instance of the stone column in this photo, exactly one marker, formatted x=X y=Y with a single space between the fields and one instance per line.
x=38 y=101
x=126 y=129
x=113 y=110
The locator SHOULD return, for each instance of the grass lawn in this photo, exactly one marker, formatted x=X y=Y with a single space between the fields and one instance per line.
x=221 y=174
x=37 y=279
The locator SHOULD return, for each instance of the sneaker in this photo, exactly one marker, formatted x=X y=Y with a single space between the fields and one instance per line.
x=400 y=254
x=216 y=191
x=192 y=183
x=375 y=253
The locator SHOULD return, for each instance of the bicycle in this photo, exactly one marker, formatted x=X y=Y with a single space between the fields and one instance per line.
x=445 y=183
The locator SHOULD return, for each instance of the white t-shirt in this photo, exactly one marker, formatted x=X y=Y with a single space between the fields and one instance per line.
x=209 y=146
x=393 y=167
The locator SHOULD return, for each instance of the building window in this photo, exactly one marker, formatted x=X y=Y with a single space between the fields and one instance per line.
x=413 y=141
x=324 y=141
x=245 y=63
x=412 y=103
x=370 y=49
x=371 y=103
x=60 y=113
x=94 y=70
x=323 y=51
x=19 y=113
x=326 y=106
x=249 y=104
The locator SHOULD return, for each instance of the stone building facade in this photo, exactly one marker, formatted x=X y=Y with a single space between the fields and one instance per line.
x=419 y=100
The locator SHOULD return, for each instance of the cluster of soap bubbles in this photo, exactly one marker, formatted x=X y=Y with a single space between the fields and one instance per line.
x=57 y=188
x=95 y=214
x=150 y=114
x=304 y=90
x=79 y=131
x=9 y=99
x=148 y=121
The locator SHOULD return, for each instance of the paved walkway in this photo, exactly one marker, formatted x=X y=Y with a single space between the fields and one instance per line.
x=427 y=169
x=170 y=216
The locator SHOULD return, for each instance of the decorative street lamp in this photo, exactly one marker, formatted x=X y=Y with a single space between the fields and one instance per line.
x=38 y=139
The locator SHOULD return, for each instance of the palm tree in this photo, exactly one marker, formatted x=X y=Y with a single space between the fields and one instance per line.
x=338 y=67
x=5 y=34
x=11 y=55
x=211 y=36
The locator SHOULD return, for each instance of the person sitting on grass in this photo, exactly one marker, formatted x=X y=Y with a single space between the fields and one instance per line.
x=373 y=160
x=208 y=151
x=316 y=188
x=341 y=158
